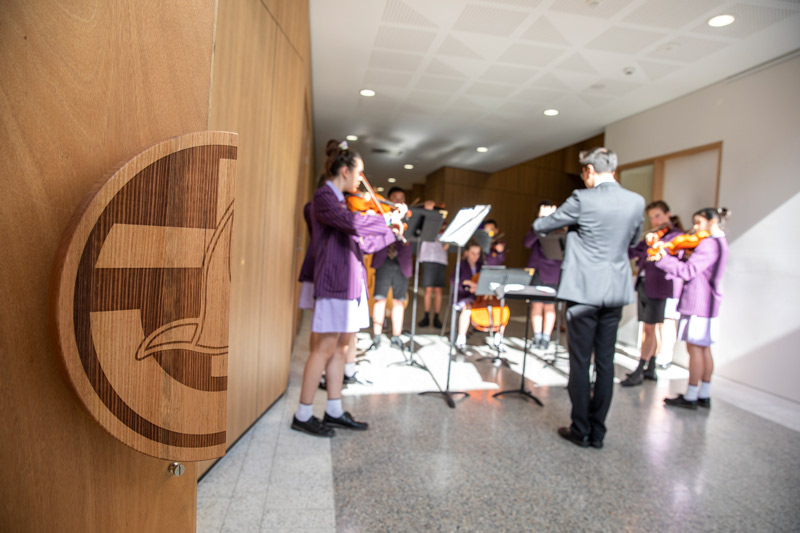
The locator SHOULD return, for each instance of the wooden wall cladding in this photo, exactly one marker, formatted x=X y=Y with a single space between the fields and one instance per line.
x=85 y=85
x=140 y=297
x=260 y=82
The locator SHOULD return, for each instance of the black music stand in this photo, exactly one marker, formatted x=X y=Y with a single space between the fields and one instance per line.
x=423 y=226
x=490 y=283
x=530 y=294
x=457 y=233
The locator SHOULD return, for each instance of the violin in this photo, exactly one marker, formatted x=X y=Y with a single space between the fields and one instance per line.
x=375 y=202
x=686 y=241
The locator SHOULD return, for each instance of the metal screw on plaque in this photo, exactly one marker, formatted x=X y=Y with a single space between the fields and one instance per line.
x=176 y=469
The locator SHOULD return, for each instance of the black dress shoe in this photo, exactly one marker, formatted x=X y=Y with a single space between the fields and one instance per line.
x=633 y=379
x=437 y=323
x=704 y=402
x=595 y=443
x=313 y=426
x=650 y=374
x=424 y=323
x=680 y=401
x=566 y=433
x=345 y=421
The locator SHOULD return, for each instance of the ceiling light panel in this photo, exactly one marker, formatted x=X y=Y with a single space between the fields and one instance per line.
x=453 y=47
x=604 y=9
x=433 y=83
x=543 y=31
x=500 y=22
x=530 y=55
x=671 y=14
x=507 y=74
x=401 y=13
x=625 y=40
x=749 y=19
x=384 y=59
x=406 y=39
x=689 y=50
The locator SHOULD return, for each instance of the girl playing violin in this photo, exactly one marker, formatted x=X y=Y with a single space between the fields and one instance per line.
x=340 y=310
x=699 y=303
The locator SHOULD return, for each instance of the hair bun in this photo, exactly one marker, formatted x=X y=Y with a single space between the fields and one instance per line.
x=331 y=147
x=723 y=212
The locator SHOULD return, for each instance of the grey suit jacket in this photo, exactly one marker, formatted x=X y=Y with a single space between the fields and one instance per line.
x=606 y=220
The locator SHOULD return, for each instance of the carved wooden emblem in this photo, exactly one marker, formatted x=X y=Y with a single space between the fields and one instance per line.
x=140 y=297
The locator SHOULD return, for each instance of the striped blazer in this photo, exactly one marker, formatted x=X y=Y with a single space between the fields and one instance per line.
x=307 y=270
x=657 y=283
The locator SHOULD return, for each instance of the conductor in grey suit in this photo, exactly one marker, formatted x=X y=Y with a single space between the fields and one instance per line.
x=604 y=220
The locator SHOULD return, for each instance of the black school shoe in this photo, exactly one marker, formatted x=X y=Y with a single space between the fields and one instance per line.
x=437 y=323
x=704 y=402
x=680 y=401
x=313 y=426
x=345 y=421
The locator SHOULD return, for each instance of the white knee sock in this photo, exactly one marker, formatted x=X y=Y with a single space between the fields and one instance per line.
x=334 y=408
x=304 y=412
x=691 y=393
x=705 y=390
x=461 y=339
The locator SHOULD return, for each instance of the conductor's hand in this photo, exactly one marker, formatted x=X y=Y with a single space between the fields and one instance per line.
x=547 y=210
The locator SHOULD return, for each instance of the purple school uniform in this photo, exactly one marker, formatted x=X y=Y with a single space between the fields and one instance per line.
x=307 y=270
x=702 y=274
x=403 y=258
x=494 y=258
x=549 y=269
x=657 y=283
x=465 y=273
x=340 y=237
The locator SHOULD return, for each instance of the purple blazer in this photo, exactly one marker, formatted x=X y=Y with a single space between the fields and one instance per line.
x=702 y=272
x=464 y=274
x=307 y=270
x=549 y=269
x=657 y=283
x=340 y=237
x=493 y=258
x=403 y=258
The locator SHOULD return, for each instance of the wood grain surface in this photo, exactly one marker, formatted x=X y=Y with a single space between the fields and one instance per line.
x=140 y=297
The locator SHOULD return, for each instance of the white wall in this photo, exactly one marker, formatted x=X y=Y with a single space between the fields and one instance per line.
x=758 y=120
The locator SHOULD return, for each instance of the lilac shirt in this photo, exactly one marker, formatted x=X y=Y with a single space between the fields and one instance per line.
x=549 y=269
x=403 y=258
x=339 y=237
x=432 y=252
x=307 y=270
x=657 y=283
x=464 y=274
x=702 y=272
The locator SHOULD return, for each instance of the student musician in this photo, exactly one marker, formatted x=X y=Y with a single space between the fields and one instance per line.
x=546 y=273
x=699 y=302
x=340 y=310
x=433 y=260
x=497 y=253
x=470 y=266
x=653 y=287
x=393 y=267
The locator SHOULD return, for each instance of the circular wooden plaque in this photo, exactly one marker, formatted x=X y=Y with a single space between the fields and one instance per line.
x=140 y=297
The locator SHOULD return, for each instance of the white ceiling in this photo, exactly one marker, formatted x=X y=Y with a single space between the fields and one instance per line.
x=452 y=75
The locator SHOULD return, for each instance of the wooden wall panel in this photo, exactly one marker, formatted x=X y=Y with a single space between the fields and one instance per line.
x=85 y=85
x=260 y=87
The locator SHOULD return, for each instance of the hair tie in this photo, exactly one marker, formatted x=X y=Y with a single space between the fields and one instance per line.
x=343 y=146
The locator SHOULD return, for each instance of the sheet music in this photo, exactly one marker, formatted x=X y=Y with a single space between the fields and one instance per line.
x=464 y=225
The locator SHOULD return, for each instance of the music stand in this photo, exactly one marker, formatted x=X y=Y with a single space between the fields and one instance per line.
x=423 y=226
x=458 y=233
x=490 y=283
x=529 y=293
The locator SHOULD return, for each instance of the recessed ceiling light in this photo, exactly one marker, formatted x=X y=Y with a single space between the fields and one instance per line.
x=391 y=180
x=482 y=149
x=367 y=92
x=669 y=47
x=408 y=167
x=379 y=189
x=721 y=20
x=352 y=137
x=551 y=112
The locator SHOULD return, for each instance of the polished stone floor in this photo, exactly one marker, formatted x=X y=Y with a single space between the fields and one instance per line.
x=497 y=464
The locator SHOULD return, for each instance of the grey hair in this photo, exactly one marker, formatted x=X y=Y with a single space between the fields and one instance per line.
x=602 y=159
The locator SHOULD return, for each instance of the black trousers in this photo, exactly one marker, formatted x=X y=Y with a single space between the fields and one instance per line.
x=591 y=329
